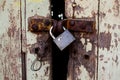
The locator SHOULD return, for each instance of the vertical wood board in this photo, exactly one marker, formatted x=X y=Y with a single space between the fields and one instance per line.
x=10 y=40
x=32 y=8
x=109 y=38
x=83 y=54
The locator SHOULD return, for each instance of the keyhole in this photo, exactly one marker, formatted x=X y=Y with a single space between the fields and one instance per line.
x=36 y=50
x=86 y=57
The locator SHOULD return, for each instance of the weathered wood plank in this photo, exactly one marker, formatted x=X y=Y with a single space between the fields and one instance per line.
x=83 y=60
x=109 y=38
x=41 y=8
x=10 y=40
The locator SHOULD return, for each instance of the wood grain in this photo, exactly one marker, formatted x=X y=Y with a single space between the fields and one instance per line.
x=83 y=53
x=109 y=38
x=10 y=40
x=31 y=8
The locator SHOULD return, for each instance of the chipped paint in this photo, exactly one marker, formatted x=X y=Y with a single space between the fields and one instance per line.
x=41 y=8
x=88 y=46
x=105 y=40
x=2 y=4
x=83 y=51
x=109 y=52
x=10 y=59
x=116 y=8
x=83 y=56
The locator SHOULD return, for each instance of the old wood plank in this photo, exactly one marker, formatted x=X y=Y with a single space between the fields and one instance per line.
x=10 y=40
x=83 y=60
x=109 y=38
x=32 y=8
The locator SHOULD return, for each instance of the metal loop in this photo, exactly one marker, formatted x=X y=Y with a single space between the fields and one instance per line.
x=51 y=32
x=33 y=64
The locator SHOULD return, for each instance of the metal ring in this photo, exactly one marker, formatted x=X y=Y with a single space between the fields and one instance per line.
x=33 y=65
x=51 y=32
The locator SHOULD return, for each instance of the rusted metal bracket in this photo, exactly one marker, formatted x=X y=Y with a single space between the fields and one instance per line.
x=37 y=24
x=86 y=25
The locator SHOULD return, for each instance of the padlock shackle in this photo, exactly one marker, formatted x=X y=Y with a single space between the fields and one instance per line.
x=51 y=31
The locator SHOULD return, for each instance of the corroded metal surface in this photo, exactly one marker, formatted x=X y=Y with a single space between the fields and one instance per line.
x=39 y=23
x=10 y=40
x=83 y=53
x=85 y=25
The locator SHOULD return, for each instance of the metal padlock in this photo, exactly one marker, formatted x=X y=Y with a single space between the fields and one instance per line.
x=63 y=40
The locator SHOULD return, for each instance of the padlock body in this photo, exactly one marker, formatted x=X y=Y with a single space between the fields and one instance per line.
x=64 y=39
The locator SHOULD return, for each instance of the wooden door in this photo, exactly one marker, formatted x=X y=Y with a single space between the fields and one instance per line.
x=92 y=57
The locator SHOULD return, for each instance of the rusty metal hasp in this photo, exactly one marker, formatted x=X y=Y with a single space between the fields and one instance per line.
x=37 y=24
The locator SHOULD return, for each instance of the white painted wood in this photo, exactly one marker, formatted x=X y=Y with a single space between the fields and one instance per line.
x=10 y=40
x=83 y=9
x=109 y=38
x=41 y=8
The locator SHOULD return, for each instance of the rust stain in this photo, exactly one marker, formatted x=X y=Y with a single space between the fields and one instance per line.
x=116 y=8
x=43 y=45
x=81 y=57
x=105 y=40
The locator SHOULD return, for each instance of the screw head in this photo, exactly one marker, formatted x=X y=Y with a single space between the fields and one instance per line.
x=72 y=23
x=34 y=27
x=47 y=22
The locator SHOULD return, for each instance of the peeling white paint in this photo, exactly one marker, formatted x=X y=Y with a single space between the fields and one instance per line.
x=88 y=47
x=84 y=75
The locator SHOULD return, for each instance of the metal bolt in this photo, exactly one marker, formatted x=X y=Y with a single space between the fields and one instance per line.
x=47 y=22
x=72 y=23
x=35 y=27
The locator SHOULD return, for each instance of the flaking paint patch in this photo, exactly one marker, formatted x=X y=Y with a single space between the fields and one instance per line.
x=116 y=42
x=0 y=46
x=13 y=31
x=105 y=40
x=116 y=8
x=118 y=26
x=83 y=58
x=2 y=4
x=11 y=47
x=116 y=60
